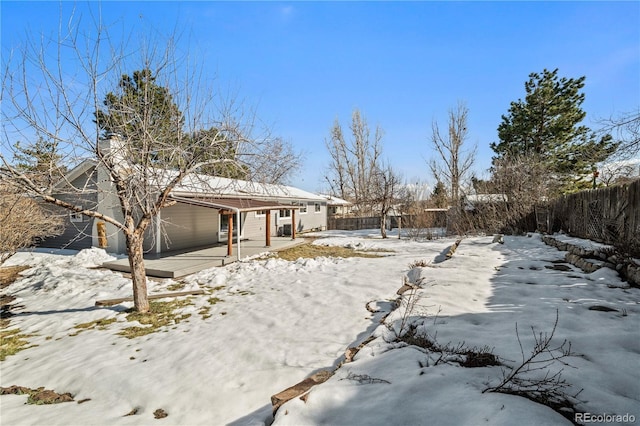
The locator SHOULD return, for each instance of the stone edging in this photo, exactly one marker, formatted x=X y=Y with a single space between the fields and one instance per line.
x=590 y=260
x=302 y=388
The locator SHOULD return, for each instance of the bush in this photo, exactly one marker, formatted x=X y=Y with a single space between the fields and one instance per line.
x=22 y=221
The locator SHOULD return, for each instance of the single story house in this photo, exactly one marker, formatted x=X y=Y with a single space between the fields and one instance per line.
x=337 y=206
x=204 y=206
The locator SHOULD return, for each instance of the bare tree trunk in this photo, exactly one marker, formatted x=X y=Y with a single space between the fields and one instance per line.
x=138 y=274
x=383 y=225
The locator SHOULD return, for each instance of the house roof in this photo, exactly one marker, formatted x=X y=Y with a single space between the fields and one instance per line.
x=486 y=198
x=83 y=168
x=335 y=201
x=233 y=204
x=200 y=185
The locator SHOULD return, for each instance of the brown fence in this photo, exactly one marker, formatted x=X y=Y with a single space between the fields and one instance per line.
x=353 y=223
x=608 y=215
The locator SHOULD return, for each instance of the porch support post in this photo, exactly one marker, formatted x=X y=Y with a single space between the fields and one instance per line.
x=230 y=235
x=267 y=235
x=293 y=224
x=239 y=225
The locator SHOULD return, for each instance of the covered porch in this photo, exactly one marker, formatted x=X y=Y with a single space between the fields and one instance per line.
x=181 y=263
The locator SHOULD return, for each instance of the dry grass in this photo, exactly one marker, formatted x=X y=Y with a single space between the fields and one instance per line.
x=12 y=342
x=100 y=324
x=161 y=314
x=312 y=251
x=8 y=274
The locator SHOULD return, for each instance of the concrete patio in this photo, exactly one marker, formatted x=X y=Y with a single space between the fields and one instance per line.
x=178 y=264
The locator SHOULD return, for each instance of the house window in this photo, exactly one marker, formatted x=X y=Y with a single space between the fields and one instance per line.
x=75 y=216
x=261 y=213
x=317 y=207
x=303 y=207
x=285 y=213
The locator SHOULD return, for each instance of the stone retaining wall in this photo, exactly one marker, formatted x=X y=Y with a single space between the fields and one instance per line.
x=590 y=260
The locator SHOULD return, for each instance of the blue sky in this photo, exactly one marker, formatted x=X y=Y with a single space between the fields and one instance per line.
x=403 y=64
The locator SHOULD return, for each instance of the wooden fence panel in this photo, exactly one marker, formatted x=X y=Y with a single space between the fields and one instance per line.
x=353 y=223
x=607 y=215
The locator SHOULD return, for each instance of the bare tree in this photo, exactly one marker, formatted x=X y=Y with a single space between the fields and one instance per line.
x=385 y=191
x=452 y=162
x=277 y=163
x=626 y=130
x=522 y=183
x=22 y=220
x=53 y=88
x=355 y=163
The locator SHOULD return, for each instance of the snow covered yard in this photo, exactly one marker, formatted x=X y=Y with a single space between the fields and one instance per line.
x=264 y=325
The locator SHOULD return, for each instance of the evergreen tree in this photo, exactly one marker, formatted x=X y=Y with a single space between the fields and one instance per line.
x=439 y=197
x=213 y=143
x=145 y=115
x=546 y=125
x=40 y=162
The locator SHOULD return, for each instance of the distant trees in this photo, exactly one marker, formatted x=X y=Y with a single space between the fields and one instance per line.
x=354 y=162
x=545 y=129
x=356 y=172
x=454 y=159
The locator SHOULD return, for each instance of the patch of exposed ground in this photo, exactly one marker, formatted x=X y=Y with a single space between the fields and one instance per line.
x=312 y=251
x=160 y=315
x=38 y=396
x=8 y=274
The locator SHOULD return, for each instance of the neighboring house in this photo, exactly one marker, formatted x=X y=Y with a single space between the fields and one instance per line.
x=337 y=207
x=199 y=217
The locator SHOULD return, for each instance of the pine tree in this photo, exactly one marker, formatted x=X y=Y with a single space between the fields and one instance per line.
x=546 y=126
x=212 y=143
x=144 y=114
x=439 y=197
x=40 y=162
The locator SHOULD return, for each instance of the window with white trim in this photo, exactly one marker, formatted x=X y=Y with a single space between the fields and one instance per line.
x=261 y=213
x=285 y=213
x=303 y=207
x=317 y=207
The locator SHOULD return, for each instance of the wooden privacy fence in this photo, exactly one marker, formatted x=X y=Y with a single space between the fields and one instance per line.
x=423 y=220
x=607 y=215
x=353 y=223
